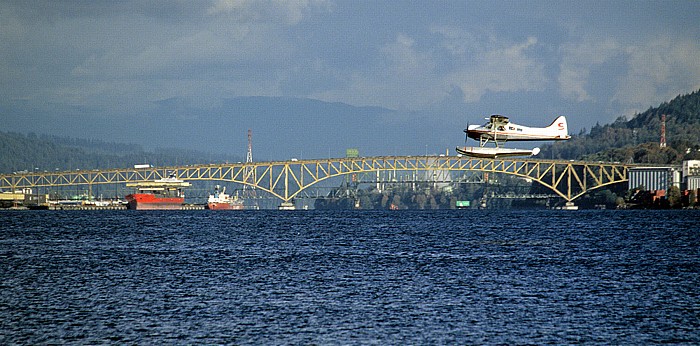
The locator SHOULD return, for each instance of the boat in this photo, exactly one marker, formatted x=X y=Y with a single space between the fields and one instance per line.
x=161 y=194
x=222 y=201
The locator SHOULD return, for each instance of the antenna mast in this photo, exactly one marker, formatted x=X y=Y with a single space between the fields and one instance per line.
x=249 y=155
x=662 y=144
x=249 y=172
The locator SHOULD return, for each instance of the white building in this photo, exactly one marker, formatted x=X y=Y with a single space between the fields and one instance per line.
x=691 y=174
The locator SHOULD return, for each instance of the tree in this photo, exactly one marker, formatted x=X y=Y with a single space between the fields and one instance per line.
x=620 y=202
x=692 y=198
x=385 y=200
x=396 y=201
x=420 y=200
x=674 y=197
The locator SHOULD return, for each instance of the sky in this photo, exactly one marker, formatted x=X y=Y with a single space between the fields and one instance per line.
x=445 y=62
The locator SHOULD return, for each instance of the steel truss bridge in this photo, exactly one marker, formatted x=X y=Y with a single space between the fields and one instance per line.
x=287 y=179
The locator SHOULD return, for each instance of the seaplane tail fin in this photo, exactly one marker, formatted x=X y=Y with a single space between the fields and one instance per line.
x=559 y=126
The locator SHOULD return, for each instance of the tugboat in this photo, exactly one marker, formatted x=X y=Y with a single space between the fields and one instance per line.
x=161 y=194
x=222 y=201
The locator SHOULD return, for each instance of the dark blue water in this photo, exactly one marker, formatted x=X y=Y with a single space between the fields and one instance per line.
x=312 y=277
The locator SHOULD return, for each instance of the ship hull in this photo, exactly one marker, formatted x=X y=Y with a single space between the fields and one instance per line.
x=224 y=206
x=149 y=201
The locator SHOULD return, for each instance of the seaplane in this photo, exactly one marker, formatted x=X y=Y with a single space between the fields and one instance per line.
x=498 y=130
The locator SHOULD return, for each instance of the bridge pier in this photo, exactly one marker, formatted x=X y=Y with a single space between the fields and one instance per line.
x=569 y=206
x=286 y=206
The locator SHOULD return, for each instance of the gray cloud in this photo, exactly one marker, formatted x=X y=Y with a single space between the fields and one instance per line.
x=106 y=58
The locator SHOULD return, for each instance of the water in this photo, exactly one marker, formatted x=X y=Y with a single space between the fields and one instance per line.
x=342 y=277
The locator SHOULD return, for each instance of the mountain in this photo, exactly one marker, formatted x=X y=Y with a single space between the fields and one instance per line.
x=285 y=128
x=637 y=140
x=282 y=127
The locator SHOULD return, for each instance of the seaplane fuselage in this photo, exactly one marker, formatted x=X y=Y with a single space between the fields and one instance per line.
x=500 y=129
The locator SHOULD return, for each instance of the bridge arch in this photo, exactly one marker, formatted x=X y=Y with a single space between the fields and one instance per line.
x=286 y=179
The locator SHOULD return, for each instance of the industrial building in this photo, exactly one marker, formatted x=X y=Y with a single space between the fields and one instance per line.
x=23 y=197
x=654 y=178
x=655 y=181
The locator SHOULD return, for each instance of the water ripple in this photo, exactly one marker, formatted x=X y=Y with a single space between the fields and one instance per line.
x=438 y=277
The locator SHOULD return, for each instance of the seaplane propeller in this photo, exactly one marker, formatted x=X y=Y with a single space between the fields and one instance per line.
x=466 y=135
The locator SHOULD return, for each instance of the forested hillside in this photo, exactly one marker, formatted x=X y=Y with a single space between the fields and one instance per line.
x=31 y=152
x=637 y=140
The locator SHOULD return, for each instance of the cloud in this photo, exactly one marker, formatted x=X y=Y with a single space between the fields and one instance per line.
x=658 y=71
x=577 y=61
x=62 y=52
x=406 y=56
x=413 y=75
x=232 y=47
x=641 y=74
x=409 y=72
x=493 y=65
x=227 y=6
x=403 y=78
x=503 y=69
x=290 y=12
x=145 y=60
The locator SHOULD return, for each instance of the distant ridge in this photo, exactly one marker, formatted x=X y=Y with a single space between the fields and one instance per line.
x=285 y=128
x=32 y=152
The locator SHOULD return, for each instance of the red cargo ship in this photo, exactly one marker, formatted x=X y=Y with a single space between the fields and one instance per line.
x=161 y=194
x=222 y=201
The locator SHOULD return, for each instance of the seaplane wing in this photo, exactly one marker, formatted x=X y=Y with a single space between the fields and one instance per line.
x=500 y=129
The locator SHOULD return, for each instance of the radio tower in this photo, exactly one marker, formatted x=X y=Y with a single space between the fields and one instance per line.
x=249 y=155
x=662 y=144
x=249 y=172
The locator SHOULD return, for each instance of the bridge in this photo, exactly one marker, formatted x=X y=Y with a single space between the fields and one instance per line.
x=287 y=179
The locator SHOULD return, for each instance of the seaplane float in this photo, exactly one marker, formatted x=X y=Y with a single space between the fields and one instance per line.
x=498 y=130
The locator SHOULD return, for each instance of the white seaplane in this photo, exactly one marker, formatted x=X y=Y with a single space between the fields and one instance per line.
x=499 y=130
